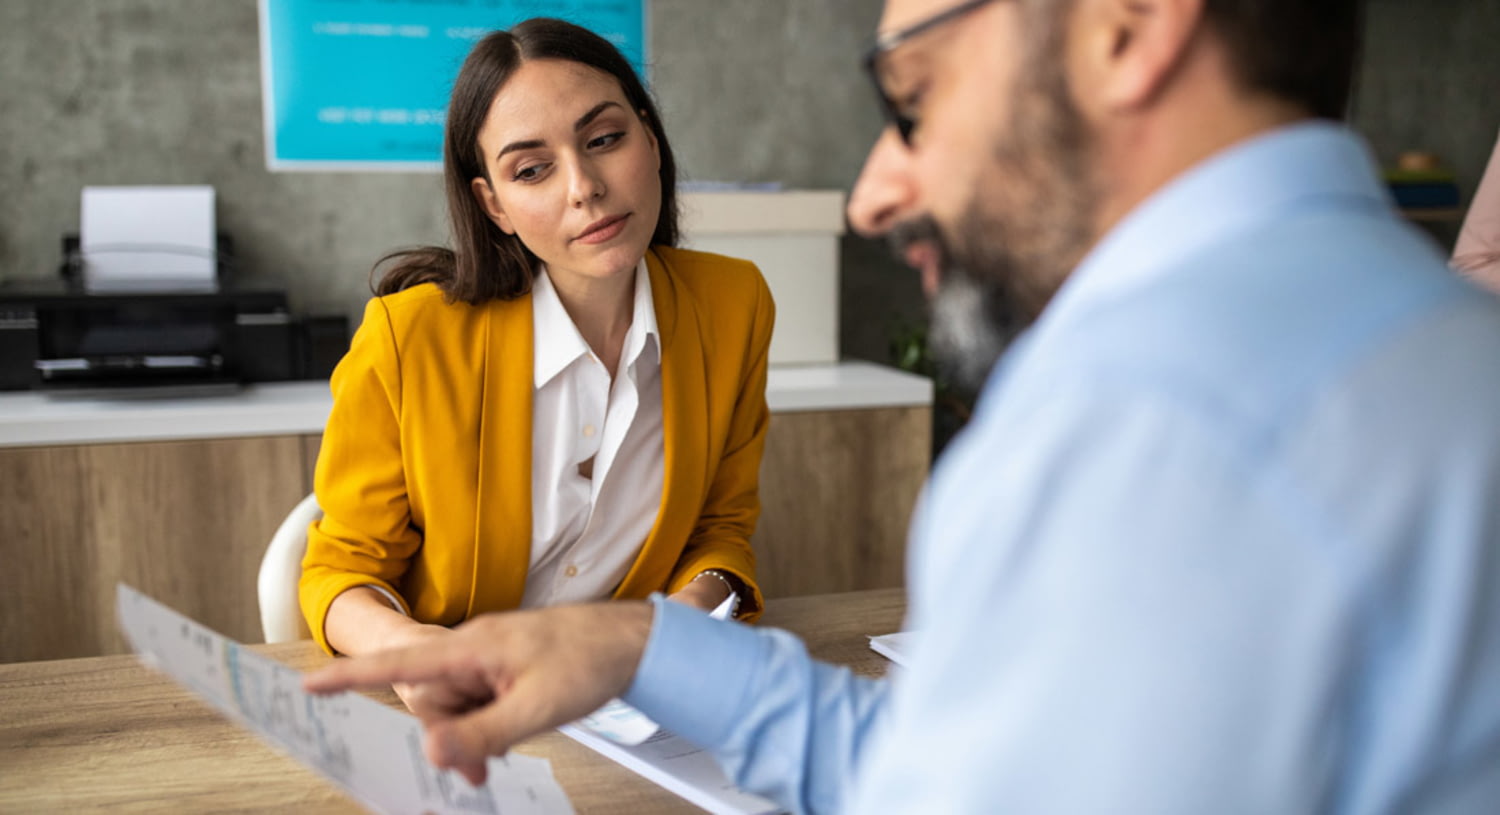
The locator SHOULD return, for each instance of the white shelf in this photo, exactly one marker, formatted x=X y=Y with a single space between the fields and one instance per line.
x=29 y=419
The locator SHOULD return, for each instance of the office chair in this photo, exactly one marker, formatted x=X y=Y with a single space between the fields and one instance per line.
x=280 y=569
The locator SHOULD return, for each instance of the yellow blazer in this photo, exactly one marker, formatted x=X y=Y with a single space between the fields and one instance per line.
x=424 y=475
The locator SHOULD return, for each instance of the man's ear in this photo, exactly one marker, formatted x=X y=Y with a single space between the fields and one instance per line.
x=1128 y=50
x=485 y=195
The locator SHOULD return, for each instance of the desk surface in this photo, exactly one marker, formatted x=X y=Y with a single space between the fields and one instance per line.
x=106 y=734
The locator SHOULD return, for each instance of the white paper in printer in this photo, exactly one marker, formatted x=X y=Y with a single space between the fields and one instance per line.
x=148 y=238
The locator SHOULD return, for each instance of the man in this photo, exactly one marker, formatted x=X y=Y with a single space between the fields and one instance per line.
x=1221 y=535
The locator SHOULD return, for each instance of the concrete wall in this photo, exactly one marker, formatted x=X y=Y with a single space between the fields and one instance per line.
x=168 y=91
x=1430 y=80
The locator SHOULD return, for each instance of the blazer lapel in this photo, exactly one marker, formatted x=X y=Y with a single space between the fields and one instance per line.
x=502 y=528
x=684 y=404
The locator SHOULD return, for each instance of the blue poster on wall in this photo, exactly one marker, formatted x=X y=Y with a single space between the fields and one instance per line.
x=363 y=84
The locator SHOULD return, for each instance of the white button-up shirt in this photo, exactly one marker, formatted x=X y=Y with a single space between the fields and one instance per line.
x=587 y=531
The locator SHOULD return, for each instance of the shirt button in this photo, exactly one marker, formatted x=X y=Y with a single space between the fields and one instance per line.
x=572 y=571
x=588 y=431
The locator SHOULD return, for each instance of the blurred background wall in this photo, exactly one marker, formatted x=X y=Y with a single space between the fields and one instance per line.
x=168 y=92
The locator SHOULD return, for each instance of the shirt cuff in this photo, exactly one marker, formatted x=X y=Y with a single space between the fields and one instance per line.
x=696 y=672
x=386 y=593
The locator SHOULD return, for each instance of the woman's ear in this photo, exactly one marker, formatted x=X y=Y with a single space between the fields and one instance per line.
x=485 y=195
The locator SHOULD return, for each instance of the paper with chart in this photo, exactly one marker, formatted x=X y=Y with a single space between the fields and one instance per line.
x=370 y=750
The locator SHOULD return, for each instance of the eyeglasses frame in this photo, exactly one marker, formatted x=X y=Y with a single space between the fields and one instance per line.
x=884 y=44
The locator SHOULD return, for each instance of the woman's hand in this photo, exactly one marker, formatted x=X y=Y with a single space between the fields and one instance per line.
x=425 y=700
x=361 y=621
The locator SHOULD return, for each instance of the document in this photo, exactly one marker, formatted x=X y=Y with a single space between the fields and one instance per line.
x=895 y=647
x=374 y=753
x=622 y=723
x=624 y=734
x=148 y=239
x=680 y=766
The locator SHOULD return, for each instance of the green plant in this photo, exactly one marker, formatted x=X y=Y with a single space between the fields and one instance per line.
x=952 y=406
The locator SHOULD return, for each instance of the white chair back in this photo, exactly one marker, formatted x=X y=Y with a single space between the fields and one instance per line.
x=280 y=570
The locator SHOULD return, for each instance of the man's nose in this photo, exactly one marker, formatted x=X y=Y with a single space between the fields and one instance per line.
x=884 y=193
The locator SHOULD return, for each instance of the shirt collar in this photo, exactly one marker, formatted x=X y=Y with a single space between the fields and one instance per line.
x=643 y=322
x=558 y=343
x=1260 y=179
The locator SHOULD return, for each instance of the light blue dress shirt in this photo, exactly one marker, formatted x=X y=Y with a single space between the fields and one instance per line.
x=1222 y=537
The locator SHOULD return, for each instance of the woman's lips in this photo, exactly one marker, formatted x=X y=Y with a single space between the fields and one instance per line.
x=603 y=229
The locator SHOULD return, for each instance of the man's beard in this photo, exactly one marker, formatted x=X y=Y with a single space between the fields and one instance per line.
x=1009 y=253
x=972 y=318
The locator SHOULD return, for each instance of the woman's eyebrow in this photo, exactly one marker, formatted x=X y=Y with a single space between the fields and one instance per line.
x=583 y=121
x=519 y=145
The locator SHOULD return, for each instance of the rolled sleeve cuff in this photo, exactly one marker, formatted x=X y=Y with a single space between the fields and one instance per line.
x=389 y=597
x=696 y=672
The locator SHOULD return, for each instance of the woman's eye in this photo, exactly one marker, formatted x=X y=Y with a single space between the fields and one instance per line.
x=605 y=140
x=529 y=173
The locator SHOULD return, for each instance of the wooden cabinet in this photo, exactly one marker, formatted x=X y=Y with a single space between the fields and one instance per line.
x=187 y=522
x=837 y=490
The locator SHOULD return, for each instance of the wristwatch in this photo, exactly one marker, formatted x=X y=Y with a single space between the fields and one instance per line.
x=734 y=604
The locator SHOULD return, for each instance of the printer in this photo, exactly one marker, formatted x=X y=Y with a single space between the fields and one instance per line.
x=146 y=301
x=56 y=337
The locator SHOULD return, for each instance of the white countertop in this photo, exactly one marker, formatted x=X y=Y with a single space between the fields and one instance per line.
x=30 y=419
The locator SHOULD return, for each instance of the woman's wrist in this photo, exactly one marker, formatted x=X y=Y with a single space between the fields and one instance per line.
x=361 y=620
x=730 y=584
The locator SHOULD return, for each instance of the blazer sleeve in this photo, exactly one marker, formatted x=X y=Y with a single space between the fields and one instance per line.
x=366 y=536
x=721 y=534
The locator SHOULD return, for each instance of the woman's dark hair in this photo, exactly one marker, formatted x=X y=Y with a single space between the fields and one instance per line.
x=485 y=263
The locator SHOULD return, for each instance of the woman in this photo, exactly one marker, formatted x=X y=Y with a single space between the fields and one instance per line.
x=1477 y=252
x=562 y=408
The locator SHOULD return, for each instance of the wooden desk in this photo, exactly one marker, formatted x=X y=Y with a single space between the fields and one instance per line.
x=106 y=734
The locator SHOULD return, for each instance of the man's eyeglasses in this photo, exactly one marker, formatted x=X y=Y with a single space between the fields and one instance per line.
x=904 y=122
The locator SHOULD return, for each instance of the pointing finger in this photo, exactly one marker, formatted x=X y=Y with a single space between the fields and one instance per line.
x=431 y=660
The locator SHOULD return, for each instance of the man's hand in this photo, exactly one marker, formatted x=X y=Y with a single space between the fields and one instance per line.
x=499 y=678
x=420 y=698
